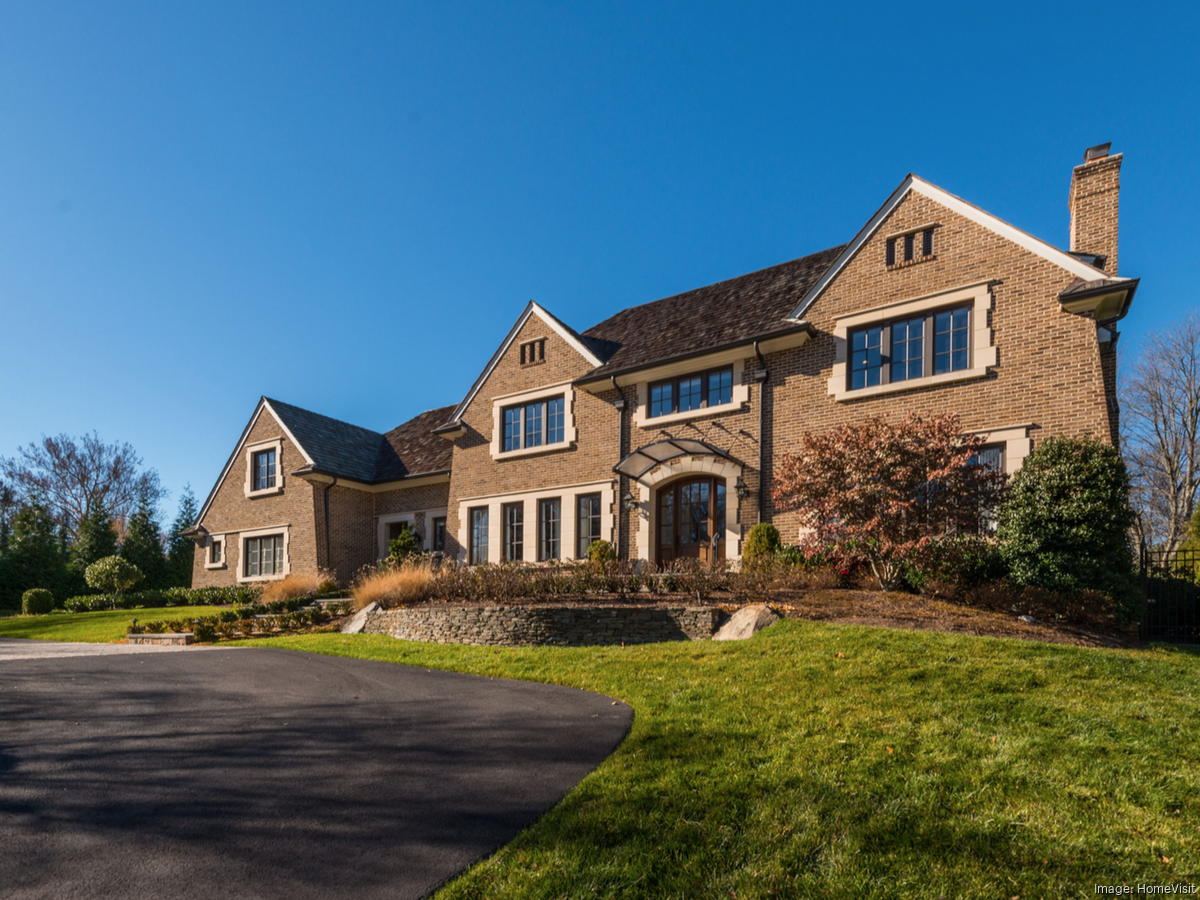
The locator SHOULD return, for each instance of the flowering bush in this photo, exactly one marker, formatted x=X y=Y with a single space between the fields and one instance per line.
x=880 y=493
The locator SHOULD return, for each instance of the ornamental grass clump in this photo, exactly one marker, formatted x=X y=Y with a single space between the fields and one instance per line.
x=394 y=586
x=298 y=585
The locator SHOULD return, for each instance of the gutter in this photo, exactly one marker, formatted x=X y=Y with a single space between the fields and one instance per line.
x=620 y=407
x=761 y=377
x=327 y=487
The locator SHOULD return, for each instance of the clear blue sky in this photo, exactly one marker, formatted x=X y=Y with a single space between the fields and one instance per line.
x=345 y=206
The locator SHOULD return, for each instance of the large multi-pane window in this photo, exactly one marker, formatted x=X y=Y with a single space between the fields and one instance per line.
x=513 y=516
x=479 y=535
x=264 y=555
x=534 y=424
x=263 y=468
x=549 y=528
x=910 y=348
x=587 y=528
x=700 y=390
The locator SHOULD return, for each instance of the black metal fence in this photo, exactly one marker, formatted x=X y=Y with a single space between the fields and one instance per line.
x=1171 y=589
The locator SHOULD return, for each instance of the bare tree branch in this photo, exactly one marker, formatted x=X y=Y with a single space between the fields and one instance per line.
x=1160 y=404
x=74 y=478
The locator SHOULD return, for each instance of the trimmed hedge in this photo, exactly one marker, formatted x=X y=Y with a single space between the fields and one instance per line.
x=37 y=602
x=207 y=596
x=281 y=617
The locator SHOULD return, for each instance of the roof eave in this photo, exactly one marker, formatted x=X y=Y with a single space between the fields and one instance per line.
x=596 y=376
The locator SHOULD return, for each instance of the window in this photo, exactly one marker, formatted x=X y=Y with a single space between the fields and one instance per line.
x=264 y=556
x=899 y=351
x=549 y=528
x=533 y=352
x=437 y=535
x=690 y=392
x=263 y=470
x=950 y=337
x=534 y=424
x=588 y=529
x=215 y=551
x=990 y=457
x=513 y=517
x=479 y=535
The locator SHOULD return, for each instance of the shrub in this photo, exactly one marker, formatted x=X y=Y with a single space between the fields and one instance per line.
x=112 y=575
x=763 y=540
x=296 y=585
x=394 y=586
x=963 y=561
x=403 y=548
x=878 y=492
x=37 y=602
x=600 y=551
x=1066 y=521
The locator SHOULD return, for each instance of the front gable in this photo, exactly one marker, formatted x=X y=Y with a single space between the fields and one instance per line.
x=539 y=352
x=917 y=205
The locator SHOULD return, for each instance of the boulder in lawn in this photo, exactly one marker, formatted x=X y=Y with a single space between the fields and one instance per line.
x=746 y=622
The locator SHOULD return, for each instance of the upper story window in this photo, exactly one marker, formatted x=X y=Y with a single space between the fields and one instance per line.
x=906 y=349
x=264 y=470
x=535 y=424
x=916 y=245
x=691 y=392
x=533 y=352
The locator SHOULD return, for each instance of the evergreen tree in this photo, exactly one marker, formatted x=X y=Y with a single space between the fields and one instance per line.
x=97 y=539
x=181 y=550
x=34 y=558
x=143 y=547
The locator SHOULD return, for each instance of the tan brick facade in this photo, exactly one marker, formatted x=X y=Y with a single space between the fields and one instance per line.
x=231 y=512
x=1036 y=370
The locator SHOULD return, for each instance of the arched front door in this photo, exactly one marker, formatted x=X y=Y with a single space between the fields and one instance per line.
x=690 y=514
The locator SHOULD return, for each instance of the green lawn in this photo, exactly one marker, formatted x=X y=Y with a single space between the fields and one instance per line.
x=93 y=626
x=915 y=764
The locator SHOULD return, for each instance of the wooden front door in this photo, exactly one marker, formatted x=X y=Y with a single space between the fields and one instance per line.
x=690 y=514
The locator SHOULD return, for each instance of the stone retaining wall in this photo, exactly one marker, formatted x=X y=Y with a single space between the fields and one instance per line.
x=559 y=625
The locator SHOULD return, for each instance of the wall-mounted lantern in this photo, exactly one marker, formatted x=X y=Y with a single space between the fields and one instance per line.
x=740 y=486
x=630 y=503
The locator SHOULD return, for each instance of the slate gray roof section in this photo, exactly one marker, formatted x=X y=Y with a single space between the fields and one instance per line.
x=348 y=451
x=724 y=314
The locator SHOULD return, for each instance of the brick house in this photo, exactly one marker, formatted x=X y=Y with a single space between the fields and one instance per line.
x=656 y=428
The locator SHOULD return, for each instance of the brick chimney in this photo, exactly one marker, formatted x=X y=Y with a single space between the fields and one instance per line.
x=1095 y=190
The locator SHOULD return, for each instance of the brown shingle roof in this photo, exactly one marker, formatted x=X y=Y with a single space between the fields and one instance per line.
x=720 y=315
x=413 y=448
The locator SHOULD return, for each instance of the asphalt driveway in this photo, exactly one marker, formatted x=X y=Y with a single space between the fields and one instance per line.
x=266 y=773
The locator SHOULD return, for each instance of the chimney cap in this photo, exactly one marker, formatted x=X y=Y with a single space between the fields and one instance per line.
x=1098 y=152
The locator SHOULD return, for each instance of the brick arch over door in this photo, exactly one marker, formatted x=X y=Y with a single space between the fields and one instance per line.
x=646 y=489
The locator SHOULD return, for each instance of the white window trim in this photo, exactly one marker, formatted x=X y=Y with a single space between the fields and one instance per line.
x=567 y=525
x=208 y=542
x=740 y=398
x=983 y=350
x=286 y=531
x=258 y=447
x=563 y=390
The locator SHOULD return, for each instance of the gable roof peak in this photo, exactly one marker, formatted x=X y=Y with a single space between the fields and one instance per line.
x=913 y=183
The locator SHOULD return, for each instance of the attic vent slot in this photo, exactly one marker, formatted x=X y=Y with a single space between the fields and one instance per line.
x=533 y=352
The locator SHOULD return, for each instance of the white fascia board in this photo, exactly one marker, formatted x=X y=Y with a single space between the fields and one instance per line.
x=530 y=309
x=968 y=211
x=287 y=431
x=237 y=452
